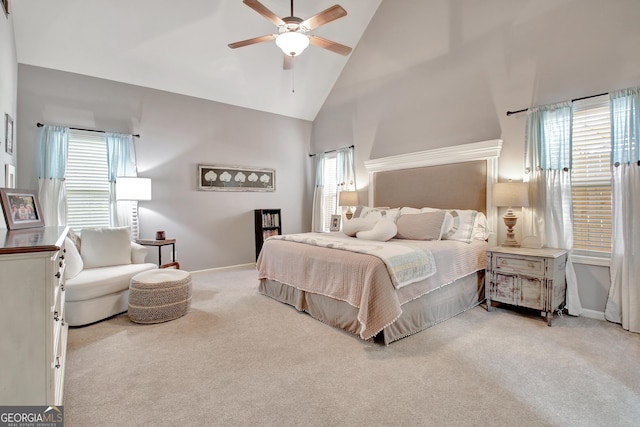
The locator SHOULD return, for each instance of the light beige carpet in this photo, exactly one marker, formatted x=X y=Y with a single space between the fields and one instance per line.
x=242 y=359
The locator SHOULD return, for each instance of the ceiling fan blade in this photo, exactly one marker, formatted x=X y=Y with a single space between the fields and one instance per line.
x=288 y=62
x=324 y=17
x=329 y=45
x=262 y=10
x=254 y=40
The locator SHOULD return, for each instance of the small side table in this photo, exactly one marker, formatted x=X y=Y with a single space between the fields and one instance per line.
x=159 y=244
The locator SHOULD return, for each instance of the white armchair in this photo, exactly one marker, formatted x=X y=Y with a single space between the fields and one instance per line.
x=98 y=272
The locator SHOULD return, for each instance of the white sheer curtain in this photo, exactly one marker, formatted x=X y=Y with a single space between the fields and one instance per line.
x=344 y=178
x=623 y=303
x=52 y=164
x=317 y=215
x=548 y=171
x=121 y=161
x=346 y=168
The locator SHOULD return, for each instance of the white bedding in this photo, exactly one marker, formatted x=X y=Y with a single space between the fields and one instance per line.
x=407 y=263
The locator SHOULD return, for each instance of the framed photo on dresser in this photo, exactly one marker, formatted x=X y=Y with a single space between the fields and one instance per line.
x=21 y=208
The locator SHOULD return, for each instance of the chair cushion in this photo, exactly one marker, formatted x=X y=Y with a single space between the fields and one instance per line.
x=103 y=247
x=95 y=282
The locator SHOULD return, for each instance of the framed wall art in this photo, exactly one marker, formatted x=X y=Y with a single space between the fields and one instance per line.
x=21 y=208
x=235 y=178
x=8 y=134
x=9 y=176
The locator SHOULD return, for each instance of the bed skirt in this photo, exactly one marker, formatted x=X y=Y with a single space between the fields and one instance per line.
x=417 y=315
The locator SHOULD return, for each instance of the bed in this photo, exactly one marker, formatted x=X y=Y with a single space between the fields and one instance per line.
x=350 y=283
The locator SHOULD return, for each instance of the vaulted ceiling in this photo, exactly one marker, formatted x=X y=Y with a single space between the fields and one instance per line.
x=181 y=47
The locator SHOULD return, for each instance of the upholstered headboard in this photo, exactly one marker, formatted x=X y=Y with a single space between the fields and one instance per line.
x=459 y=185
x=459 y=177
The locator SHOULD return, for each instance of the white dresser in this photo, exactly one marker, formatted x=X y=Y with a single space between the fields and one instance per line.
x=33 y=337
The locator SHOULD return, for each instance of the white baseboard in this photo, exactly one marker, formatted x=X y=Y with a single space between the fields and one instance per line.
x=230 y=267
x=592 y=314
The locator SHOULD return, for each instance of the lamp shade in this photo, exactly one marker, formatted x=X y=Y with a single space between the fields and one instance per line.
x=348 y=198
x=292 y=43
x=133 y=188
x=511 y=194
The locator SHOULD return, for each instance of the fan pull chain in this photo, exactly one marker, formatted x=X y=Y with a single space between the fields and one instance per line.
x=293 y=80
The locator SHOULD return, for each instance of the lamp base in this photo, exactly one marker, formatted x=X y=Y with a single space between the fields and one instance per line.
x=348 y=214
x=510 y=221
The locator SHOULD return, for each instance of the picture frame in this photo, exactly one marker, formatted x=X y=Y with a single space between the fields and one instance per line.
x=5 y=7
x=8 y=126
x=21 y=208
x=9 y=176
x=335 y=223
x=235 y=178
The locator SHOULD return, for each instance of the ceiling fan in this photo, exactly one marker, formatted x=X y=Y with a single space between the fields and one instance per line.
x=292 y=35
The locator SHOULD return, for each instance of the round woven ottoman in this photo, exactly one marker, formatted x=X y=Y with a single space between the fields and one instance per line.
x=159 y=295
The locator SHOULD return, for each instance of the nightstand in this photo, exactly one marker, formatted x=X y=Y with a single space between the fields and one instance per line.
x=159 y=244
x=531 y=278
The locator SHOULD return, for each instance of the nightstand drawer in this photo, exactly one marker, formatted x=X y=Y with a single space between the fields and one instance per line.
x=520 y=265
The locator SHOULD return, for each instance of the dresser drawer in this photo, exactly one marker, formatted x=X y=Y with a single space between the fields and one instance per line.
x=520 y=265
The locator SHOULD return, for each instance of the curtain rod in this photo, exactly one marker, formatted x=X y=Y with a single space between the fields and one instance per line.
x=89 y=130
x=331 y=151
x=509 y=113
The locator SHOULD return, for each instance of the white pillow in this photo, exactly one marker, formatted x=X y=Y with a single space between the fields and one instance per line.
x=447 y=225
x=481 y=227
x=382 y=231
x=409 y=211
x=463 y=223
x=73 y=260
x=351 y=226
x=102 y=247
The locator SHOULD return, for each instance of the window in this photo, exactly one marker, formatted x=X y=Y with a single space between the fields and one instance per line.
x=87 y=180
x=330 y=193
x=591 y=175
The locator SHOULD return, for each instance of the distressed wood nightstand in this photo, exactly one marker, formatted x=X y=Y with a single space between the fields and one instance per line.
x=532 y=278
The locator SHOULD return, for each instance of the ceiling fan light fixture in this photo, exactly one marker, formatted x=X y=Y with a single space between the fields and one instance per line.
x=292 y=43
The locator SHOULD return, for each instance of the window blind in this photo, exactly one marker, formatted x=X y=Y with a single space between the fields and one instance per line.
x=87 y=181
x=591 y=175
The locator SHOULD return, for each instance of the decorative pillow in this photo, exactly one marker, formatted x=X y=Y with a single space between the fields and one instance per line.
x=75 y=238
x=481 y=227
x=383 y=230
x=365 y=211
x=405 y=210
x=73 y=260
x=102 y=247
x=447 y=225
x=422 y=226
x=463 y=223
x=351 y=226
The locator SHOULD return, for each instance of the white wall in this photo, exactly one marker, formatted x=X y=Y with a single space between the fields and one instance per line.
x=8 y=91
x=433 y=73
x=212 y=229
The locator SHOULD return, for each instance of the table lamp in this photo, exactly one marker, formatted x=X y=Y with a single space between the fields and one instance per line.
x=348 y=198
x=510 y=195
